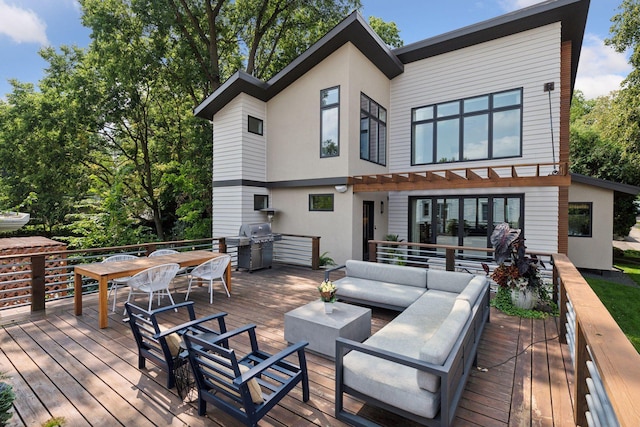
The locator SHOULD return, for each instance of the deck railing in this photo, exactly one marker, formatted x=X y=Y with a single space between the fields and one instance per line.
x=606 y=365
x=37 y=278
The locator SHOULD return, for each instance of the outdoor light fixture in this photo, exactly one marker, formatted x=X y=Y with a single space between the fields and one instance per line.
x=381 y=207
x=341 y=188
x=270 y=213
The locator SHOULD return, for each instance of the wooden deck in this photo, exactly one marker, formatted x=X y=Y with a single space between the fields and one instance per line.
x=63 y=365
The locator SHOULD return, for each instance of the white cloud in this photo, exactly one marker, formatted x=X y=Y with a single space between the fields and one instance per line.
x=22 y=25
x=601 y=68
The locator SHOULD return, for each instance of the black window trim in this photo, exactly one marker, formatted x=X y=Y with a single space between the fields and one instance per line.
x=330 y=195
x=461 y=115
x=327 y=107
x=460 y=198
x=378 y=122
x=264 y=197
x=249 y=118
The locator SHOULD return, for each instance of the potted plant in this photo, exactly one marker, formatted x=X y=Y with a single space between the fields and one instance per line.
x=516 y=271
x=7 y=396
x=327 y=295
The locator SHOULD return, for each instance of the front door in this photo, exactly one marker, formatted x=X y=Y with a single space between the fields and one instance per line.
x=367 y=227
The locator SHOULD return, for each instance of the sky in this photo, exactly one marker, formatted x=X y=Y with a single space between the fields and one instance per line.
x=26 y=26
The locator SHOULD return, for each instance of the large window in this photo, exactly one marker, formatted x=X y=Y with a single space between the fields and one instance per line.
x=482 y=127
x=580 y=219
x=330 y=122
x=373 y=131
x=462 y=220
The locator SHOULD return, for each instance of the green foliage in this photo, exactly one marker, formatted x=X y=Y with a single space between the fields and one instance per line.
x=622 y=301
x=388 y=31
x=55 y=422
x=325 y=259
x=502 y=301
x=7 y=396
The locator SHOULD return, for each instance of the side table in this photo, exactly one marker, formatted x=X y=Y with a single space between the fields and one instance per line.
x=310 y=323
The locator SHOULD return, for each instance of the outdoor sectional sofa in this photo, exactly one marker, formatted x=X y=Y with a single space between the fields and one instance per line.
x=418 y=364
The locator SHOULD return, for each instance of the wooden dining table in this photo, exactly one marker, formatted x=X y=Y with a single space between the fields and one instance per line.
x=104 y=272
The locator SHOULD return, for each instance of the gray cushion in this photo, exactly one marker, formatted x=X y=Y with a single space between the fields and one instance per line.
x=410 y=276
x=473 y=289
x=450 y=281
x=380 y=292
x=439 y=345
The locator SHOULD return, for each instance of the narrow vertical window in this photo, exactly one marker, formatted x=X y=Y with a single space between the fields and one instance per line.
x=580 y=219
x=373 y=131
x=330 y=122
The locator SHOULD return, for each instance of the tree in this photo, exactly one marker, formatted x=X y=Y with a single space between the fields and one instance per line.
x=388 y=31
x=41 y=154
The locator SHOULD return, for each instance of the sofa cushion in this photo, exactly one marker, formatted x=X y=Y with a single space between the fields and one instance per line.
x=410 y=276
x=473 y=289
x=449 y=281
x=378 y=292
x=439 y=345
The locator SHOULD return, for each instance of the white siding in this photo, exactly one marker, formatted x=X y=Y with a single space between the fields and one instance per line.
x=528 y=60
x=232 y=207
x=238 y=153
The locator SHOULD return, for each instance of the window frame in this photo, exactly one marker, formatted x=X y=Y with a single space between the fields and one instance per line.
x=491 y=222
x=329 y=209
x=260 y=130
x=381 y=147
x=434 y=119
x=328 y=107
x=257 y=198
x=590 y=219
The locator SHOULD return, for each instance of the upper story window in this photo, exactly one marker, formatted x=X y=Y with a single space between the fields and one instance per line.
x=330 y=122
x=255 y=125
x=373 y=131
x=482 y=127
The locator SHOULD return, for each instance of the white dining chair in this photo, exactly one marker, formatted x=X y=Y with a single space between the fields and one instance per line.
x=120 y=281
x=153 y=280
x=211 y=270
x=161 y=252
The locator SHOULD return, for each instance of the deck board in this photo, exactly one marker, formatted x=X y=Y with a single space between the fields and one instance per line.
x=64 y=365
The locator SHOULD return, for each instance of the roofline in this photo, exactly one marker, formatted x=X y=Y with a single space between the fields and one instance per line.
x=352 y=29
x=603 y=183
x=571 y=13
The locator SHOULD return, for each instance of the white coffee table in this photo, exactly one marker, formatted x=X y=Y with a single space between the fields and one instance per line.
x=310 y=323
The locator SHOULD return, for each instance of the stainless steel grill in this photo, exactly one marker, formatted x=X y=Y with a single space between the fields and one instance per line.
x=255 y=246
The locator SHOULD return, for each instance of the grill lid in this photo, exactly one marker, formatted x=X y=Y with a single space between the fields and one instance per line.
x=256 y=231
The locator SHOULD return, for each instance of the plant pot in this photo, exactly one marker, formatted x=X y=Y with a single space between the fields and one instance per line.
x=328 y=307
x=525 y=299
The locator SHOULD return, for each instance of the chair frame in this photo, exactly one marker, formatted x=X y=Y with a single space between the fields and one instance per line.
x=194 y=275
x=151 y=340
x=139 y=290
x=220 y=382
x=115 y=283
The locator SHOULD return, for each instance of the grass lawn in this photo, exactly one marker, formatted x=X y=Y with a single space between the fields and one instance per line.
x=623 y=302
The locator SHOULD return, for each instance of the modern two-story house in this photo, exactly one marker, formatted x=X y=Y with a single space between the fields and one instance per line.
x=436 y=141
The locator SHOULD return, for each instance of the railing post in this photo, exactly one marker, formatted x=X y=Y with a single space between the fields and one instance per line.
x=222 y=245
x=37 y=283
x=581 y=374
x=373 y=251
x=315 y=253
x=150 y=248
x=450 y=259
